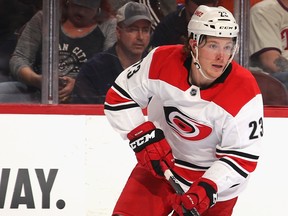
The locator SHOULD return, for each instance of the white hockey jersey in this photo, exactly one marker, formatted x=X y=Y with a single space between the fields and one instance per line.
x=214 y=132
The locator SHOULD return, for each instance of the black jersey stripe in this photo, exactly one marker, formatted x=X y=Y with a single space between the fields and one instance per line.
x=241 y=154
x=120 y=107
x=236 y=168
x=190 y=165
x=180 y=179
x=122 y=91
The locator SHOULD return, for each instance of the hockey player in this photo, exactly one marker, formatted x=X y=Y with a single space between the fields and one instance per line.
x=204 y=121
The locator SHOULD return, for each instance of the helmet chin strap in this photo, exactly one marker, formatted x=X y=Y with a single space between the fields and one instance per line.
x=198 y=66
x=232 y=56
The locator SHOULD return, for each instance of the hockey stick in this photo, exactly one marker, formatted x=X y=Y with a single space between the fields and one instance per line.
x=178 y=189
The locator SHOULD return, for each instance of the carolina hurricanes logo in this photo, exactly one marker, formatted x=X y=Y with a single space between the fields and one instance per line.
x=185 y=126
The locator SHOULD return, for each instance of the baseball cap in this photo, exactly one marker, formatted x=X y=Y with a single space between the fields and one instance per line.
x=87 y=3
x=131 y=12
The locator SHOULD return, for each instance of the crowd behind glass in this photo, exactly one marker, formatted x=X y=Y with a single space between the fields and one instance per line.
x=16 y=15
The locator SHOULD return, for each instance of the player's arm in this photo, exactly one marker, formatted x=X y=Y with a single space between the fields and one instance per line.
x=128 y=96
x=237 y=154
x=240 y=147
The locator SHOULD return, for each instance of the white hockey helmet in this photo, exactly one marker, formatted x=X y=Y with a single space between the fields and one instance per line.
x=212 y=21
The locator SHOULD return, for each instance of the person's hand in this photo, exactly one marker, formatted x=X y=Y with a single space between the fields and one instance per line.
x=201 y=195
x=66 y=85
x=151 y=147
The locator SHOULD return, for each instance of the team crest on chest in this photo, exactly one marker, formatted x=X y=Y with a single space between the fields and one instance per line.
x=185 y=126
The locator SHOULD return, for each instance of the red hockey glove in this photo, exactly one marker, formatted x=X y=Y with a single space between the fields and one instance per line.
x=201 y=195
x=151 y=147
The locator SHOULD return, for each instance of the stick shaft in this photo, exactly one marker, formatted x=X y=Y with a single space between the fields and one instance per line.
x=178 y=189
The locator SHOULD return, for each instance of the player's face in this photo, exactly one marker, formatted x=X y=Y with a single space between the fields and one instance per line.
x=134 y=38
x=214 y=54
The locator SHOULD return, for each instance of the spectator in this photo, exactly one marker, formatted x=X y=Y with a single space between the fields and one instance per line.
x=168 y=6
x=268 y=38
x=14 y=14
x=173 y=28
x=230 y=4
x=155 y=9
x=98 y=74
x=158 y=8
x=204 y=121
x=86 y=26
x=116 y=4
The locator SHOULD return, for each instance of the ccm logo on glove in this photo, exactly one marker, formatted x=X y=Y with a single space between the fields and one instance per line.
x=147 y=139
x=151 y=147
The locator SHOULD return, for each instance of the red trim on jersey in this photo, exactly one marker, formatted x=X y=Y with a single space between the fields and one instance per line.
x=162 y=68
x=250 y=166
x=227 y=93
x=113 y=98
